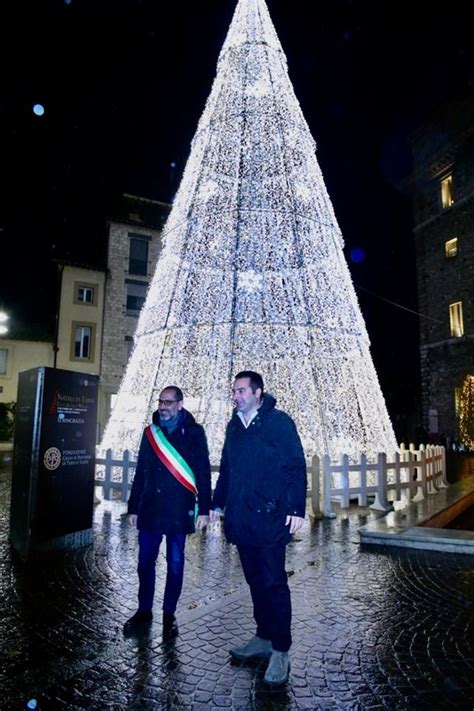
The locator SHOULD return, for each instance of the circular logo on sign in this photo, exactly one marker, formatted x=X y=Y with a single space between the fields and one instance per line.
x=52 y=458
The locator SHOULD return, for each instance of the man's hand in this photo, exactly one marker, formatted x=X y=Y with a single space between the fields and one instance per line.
x=132 y=520
x=214 y=515
x=201 y=522
x=295 y=523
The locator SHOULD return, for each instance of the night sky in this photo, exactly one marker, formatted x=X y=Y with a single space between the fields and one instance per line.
x=123 y=85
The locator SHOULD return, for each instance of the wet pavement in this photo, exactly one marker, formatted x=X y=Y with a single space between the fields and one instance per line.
x=373 y=629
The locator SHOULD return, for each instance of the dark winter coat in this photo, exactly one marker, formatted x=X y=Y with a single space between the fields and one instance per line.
x=262 y=477
x=161 y=502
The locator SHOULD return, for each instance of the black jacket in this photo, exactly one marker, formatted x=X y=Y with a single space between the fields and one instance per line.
x=262 y=477
x=161 y=502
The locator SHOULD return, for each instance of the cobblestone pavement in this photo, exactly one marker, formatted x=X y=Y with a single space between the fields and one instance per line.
x=373 y=628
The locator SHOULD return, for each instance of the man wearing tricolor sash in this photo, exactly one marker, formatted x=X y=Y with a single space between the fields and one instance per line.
x=170 y=497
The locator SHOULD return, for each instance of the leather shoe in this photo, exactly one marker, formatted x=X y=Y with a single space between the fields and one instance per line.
x=137 y=620
x=256 y=647
x=170 y=627
x=278 y=669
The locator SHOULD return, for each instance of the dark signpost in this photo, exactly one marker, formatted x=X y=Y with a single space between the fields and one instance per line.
x=53 y=460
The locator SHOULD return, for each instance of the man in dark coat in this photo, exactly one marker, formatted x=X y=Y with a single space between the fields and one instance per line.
x=262 y=486
x=172 y=482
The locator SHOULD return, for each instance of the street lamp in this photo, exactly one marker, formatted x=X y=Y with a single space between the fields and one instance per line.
x=3 y=323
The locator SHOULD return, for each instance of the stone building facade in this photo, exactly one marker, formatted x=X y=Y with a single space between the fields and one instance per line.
x=443 y=182
x=134 y=243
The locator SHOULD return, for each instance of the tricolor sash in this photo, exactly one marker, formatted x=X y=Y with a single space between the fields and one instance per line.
x=171 y=458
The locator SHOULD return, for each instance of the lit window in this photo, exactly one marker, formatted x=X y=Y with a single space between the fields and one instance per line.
x=451 y=247
x=446 y=185
x=456 y=319
x=83 y=342
x=3 y=361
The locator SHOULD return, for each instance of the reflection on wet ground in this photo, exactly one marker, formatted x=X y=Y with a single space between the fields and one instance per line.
x=373 y=629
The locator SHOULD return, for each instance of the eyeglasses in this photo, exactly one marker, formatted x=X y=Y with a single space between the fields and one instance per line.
x=166 y=402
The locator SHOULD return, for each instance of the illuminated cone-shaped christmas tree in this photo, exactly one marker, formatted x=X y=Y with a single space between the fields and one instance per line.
x=252 y=273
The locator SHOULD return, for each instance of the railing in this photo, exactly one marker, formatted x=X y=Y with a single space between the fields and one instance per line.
x=117 y=474
x=411 y=476
x=108 y=476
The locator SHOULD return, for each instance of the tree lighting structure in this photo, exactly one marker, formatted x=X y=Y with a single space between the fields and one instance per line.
x=252 y=273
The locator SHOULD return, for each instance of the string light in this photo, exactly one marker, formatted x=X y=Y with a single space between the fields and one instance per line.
x=252 y=273
x=466 y=413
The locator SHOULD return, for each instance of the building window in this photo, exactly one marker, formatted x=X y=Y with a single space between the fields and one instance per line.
x=446 y=187
x=82 y=342
x=433 y=421
x=85 y=294
x=138 y=257
x=456 y=319
x=451 y=247
x=136 y=293
x=3 y=361
x=128 y=348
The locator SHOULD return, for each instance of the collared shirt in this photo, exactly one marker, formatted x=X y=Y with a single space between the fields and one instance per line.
x=252 y=417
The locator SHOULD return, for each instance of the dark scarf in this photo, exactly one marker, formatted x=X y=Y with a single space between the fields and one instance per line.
x=172 y=424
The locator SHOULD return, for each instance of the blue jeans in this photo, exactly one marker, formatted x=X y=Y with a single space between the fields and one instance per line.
x=149 y=546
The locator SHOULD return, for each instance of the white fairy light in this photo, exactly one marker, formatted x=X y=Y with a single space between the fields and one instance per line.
x=250 y=281
x=252 y=273
x=258 y=89
x=208 y=190
x=303 y=192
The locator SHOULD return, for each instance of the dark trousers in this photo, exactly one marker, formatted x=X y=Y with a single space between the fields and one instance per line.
x=264 y=570
x=149 y=546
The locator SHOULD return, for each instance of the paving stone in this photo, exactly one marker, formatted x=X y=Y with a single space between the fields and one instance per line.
x=378 y=629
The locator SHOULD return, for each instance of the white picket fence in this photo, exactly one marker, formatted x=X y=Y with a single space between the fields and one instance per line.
x=117 y=474
x=411 y=475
